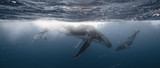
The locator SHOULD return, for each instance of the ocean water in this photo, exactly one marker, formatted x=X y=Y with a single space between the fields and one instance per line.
x=116 y=19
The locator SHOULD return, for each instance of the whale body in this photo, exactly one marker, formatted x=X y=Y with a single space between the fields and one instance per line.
x=128 y=42
x=88 y=34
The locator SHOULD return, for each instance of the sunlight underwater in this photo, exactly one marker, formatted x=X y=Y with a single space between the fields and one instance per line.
x=17 y=28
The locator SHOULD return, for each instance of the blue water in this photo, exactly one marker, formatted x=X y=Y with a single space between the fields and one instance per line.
x=58 y=51
x=116 y=19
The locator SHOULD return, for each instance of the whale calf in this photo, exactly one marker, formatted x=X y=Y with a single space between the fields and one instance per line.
x=40 y=35
x=88 y=34
x=128 y=42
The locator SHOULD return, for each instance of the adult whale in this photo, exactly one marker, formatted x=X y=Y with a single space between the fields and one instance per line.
x=88 y=34
x=128 y=42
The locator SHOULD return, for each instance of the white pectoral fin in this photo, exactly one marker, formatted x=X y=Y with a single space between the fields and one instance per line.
x=84 y=47
x=79 y=43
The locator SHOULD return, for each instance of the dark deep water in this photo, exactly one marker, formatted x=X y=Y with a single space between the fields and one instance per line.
x=116 y=19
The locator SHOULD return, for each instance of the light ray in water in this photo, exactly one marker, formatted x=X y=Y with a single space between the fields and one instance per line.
x=58 y=24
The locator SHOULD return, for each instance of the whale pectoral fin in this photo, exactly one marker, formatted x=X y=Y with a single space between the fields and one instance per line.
x=84 y=47
x=79 y=43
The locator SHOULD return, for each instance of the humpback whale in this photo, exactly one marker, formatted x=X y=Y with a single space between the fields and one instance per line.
x=87 y=34
x=128 y=42
x=40 y=35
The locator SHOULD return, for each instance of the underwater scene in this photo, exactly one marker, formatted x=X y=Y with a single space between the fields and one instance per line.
x=79 y=33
